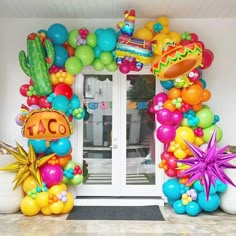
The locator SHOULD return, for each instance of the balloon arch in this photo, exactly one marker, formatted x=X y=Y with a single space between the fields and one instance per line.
x=186 y=126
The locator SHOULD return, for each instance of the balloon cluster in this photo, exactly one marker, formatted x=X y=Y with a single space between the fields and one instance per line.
x=192 y=200
x=94 y=49
x=53 y=200
x=184 y=119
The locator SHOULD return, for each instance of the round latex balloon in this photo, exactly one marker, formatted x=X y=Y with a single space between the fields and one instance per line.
x=74 y=65
x=63 y=89
x=57 y=33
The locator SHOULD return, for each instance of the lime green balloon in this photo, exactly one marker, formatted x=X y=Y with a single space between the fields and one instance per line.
x=85 y=53
x=209 y=131
x=206 y=118
x=91 y=40
x=72 y=38
x=106 y=58
x=73 y=65
x=98 y=65
x=112 y=67
x=185 y=122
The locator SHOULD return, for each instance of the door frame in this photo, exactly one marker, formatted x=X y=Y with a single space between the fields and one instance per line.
x=118 y=189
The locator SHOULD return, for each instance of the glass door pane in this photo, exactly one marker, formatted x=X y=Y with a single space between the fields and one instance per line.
x=97 y=129
x=140 y=144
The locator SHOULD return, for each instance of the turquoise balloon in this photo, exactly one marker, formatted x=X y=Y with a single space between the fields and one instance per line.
x=206 y=118
x=85 y=54
x=209 y=131
x=211 y=205
x=60 y=103
x=192 y=209
x=61 y=55
x=107 y=40
x=57 y=33
x=168 y=84
x=171 y=189
x=61 y=147
x=97 y=52
x=39 y=145
x=198 y=186
x=178 y=207
x=73 y=65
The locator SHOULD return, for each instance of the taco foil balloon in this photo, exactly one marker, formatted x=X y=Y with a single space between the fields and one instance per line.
x=177 y=60
x=36 y=65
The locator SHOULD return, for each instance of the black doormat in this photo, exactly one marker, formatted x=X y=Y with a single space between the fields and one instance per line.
x=151 y=213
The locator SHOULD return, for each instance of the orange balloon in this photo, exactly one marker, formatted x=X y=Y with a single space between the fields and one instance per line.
x=193 y=94
x=174 y=93
x=197 y=107
x=63 y=160
x=206 y=95
x=168 y=105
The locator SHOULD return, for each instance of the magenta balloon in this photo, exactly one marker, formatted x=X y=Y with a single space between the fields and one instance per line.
x=164 y=116
x=160 y=97
x=51 y=174
x=177 y=117
x=166 y=133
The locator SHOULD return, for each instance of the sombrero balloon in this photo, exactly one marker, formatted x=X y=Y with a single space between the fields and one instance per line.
x=177 y=60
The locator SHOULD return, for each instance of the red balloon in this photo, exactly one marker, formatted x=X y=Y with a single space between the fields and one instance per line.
x=24 y=89
x=171 y=173
x=207 y=58
x=194 y=37
x=43 y=103
x=63 y=89
x=172 y=162
x=33 y=100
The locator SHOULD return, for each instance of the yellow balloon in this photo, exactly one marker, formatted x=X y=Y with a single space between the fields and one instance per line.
x=56 y=207
x=165 y=30
x=69 y=79
x=29 y=206
x=42 y=199
x=180 y=153
x=150 y=25
x=155 y=58
x=161 y=40
x=29 y=184
x=199 y=141
x=184 y=133
x=143 y=33
x=69 y=204
x=175 y=36
x=63 y=186
x=46 y=211
x=163 y=20
x=56 y=189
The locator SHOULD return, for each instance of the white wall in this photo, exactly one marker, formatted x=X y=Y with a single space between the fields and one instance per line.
x=218 y=35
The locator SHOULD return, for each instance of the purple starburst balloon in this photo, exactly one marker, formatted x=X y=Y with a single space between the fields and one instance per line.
x=208 y=165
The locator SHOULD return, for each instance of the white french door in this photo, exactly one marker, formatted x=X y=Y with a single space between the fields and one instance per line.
x=117 y=137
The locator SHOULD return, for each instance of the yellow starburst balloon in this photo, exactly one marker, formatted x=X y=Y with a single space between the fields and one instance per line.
x=27 y=165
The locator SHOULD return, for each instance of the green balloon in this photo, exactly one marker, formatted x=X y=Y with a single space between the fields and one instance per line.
x=73 y=65
x=85 y=53
x=98 y=65
x=72 y=38
x=112 y=67
x=91 y=40
x=106 y=58
x=206 y=118
x=78 y=179
x=185 y=122
x=209 y=131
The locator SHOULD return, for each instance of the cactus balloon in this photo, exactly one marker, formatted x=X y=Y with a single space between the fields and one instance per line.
x=35 y=65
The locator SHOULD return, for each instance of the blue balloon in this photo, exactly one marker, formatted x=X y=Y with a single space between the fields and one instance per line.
x=178 y=207
x=74 y=102
x=192 y=209
x=97 y=52
x=39 y=145
x=171 y=201
x=60 y=103
x=221 y=187
x=61 y=55
x=171 y=189
x=99 y=31
x=198 y=186
x=211 y=205
x=58 y=33
x=61 y=147
x=168 y=84
x=107 y=40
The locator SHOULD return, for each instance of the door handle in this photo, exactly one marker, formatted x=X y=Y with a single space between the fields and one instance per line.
x=113 y=146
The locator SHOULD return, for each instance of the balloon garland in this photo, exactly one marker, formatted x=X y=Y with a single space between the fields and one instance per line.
x=186 y=124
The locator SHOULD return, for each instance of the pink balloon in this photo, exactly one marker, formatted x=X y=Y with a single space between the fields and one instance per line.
x=125 y=68
x=207 y=58
x=164 y=116
x=194 y=75
x=51 y=174
x=165 y=133
x=177 y=117
x=160 y=97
